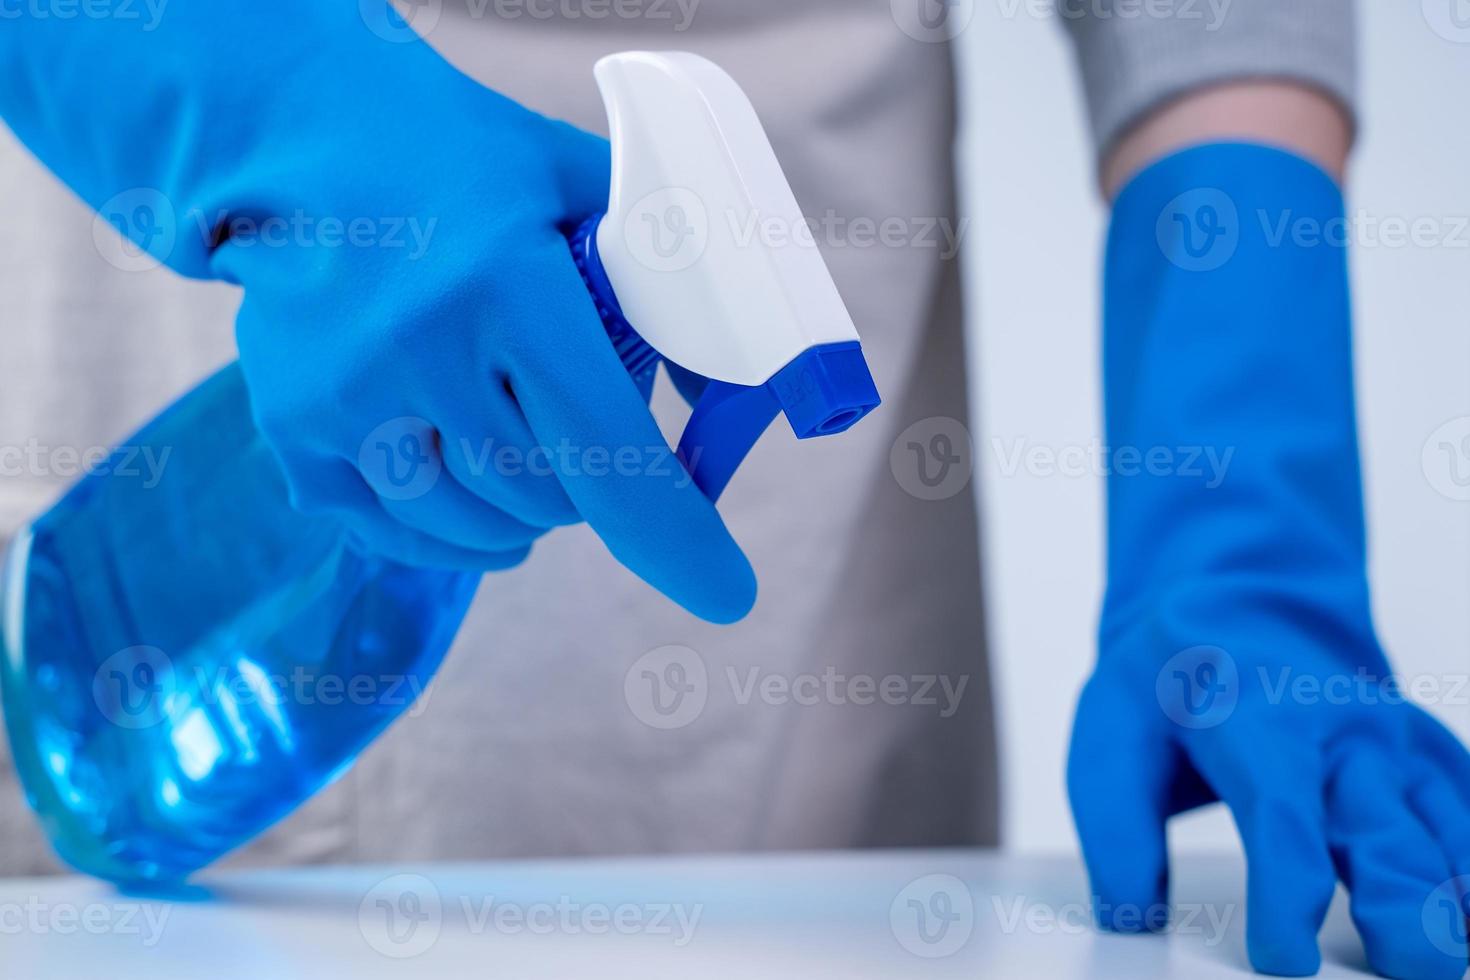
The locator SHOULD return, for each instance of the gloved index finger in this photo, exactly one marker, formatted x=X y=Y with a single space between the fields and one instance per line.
x=1276 y=800
x=607 y=449
x=1394 y=870
x=1119 y=770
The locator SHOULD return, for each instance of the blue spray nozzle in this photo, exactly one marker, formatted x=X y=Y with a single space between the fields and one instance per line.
x=637 y=356
x=824 y=390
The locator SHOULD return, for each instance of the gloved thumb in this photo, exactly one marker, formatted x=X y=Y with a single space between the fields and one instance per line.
x=1119 y=771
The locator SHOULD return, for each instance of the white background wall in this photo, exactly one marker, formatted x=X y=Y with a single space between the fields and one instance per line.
x=1034 y=254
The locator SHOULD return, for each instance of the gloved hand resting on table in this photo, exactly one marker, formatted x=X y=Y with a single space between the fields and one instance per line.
x=421 y=353
x=1238 y=660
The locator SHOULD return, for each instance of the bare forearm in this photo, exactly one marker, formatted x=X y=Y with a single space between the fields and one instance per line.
x=1279 y=72
x=1288 y=115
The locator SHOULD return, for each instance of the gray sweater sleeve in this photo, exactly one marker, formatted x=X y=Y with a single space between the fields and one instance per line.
x=1136 y=54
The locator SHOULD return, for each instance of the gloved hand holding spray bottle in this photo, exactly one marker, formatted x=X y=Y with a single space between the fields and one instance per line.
x=146 y=631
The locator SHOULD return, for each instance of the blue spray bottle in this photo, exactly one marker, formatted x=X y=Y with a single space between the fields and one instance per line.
x=175 y=681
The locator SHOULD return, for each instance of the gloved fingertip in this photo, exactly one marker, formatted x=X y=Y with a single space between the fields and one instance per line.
x=1411 y=957
x=1131 y=918
x=1117 y=780
x=1409 y=939
x=677 y=544
x=1130 y=893
x=1286 y=906
x=722 y=596
x=1128 y=869
x=1283 y=956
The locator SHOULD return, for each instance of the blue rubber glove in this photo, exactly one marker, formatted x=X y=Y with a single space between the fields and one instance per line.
x=421 y=353
x=1237 y=656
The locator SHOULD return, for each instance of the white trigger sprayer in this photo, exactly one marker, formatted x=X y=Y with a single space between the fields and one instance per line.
x=679 y=269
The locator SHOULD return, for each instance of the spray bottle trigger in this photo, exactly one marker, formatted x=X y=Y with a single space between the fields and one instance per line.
x=822 y=391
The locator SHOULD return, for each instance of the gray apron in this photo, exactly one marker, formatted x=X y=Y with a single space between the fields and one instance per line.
x=579 y=712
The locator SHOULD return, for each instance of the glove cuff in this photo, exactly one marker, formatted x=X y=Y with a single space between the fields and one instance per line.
x=1229 y=379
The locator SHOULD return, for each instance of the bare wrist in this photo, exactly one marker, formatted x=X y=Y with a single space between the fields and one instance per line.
x=1289 y=115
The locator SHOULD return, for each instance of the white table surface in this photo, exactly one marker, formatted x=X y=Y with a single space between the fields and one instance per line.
x=849 y=915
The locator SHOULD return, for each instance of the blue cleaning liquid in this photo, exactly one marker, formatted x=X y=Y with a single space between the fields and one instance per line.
x=185 y=658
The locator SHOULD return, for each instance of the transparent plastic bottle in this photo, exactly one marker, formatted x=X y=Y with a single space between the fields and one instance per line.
x=186 y=658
